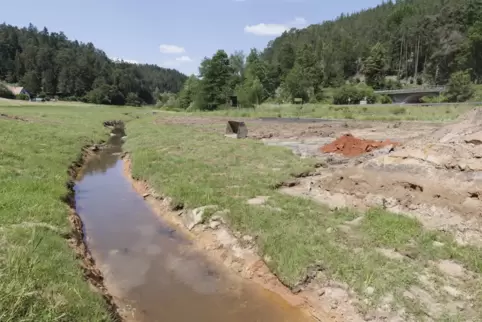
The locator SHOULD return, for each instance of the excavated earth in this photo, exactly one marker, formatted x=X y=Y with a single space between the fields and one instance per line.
x=436 y=178
x=429 y=171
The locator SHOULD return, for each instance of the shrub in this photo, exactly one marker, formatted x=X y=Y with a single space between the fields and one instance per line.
x=23 y=97
x=392 y=84
x=385 y=99
x=460 y=87
x=434 y=99
x=5 y=92
x=133 y=100
x=399 y=110
x=350 y=94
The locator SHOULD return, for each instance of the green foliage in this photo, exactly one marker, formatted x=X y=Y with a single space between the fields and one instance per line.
x=250 y=93
x=188 y=92
x=434 y=99
x=399 y=110
x=350 y=94
x=167 y=100
x=105 y=94
x=23 y=97
x=133 y=100
x=5 y=92
x=384 y=99
x=374 y=66
x=460 y=87
x=296 y=84
x=214 y=88
x=50 y=63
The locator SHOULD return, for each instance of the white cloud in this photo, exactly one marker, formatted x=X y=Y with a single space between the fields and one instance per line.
x=171 y=49
x=119 y=60
x=266 y=29
x=177 y=62
x=184 y=59
x=274 y=29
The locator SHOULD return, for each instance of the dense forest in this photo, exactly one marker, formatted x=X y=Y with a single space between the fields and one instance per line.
x=402 y=43
x=49 y=64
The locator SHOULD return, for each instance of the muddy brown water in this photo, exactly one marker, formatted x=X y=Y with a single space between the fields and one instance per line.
x=150 y=268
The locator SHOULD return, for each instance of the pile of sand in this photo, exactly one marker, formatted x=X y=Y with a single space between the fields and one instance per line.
x=350 y=146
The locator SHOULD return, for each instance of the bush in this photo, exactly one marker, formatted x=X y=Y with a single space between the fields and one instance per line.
x=133 y=100
x=23 y=97
x=5 y=92
x=399 y=110
x=385 y=99
x=460 y=87
x=434 y=99
x=392 y=84
x=350 y=94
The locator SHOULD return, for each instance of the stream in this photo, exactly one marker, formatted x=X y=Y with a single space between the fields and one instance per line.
x=150 y=268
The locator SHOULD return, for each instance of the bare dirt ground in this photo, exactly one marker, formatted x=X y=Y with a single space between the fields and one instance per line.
x=436 y=178
x=433 y=174
x=305 y=138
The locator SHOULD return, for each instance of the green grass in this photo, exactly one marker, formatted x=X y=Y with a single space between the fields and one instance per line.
x=357 y=112
x=41 y=279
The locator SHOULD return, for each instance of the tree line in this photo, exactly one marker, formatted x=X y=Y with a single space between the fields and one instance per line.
x=396 y=44
x=49 y=64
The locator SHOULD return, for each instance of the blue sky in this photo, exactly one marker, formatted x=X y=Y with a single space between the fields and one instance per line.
x=175 y=34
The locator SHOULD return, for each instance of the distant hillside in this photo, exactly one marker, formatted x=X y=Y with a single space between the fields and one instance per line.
x=51 y=64
x=419 y=39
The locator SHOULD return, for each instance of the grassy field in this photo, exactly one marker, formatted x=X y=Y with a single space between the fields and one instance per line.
x=41 y=279
x=355 y=112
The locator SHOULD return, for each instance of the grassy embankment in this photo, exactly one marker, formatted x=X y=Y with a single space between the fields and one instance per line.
x=41 y=280
x=355 y=112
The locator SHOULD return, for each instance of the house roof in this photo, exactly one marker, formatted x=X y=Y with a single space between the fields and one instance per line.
x=15 y=89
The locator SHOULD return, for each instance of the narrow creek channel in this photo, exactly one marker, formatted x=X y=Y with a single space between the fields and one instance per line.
x=149 y=267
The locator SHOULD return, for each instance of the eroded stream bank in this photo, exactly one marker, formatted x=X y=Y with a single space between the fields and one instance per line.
x=151 y=269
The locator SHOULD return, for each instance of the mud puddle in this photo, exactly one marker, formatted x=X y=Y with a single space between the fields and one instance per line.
x=150 y=268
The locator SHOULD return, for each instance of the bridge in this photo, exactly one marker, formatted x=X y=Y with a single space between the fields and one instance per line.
x=412 y=95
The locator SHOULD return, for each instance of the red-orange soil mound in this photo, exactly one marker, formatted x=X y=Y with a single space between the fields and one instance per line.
x=350 y=146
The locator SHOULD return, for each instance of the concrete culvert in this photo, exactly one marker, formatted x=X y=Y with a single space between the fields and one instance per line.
x=237 y=130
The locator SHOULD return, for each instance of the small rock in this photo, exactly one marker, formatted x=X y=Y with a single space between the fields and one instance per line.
x=248 y=238
x=438 y=244
x=214 y=224
x=329 y=230
x=95 y=148
x=146 y=195
x=451 y=268
x=321 y=292
x=355 y=222
x=452 y=291
x=195 y=216
x=258 y=201
x=369 y=290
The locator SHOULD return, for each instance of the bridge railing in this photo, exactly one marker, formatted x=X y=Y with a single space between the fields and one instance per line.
x=434 y=89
